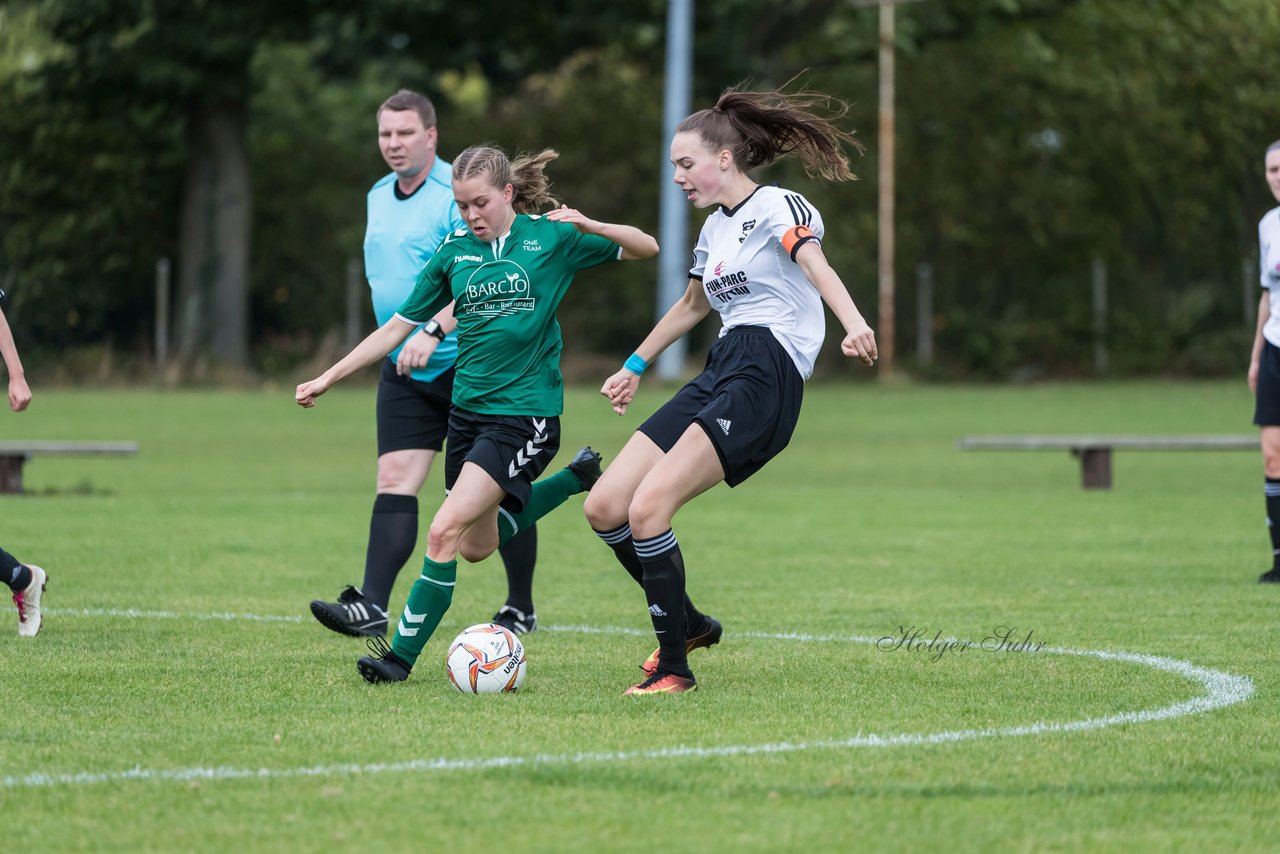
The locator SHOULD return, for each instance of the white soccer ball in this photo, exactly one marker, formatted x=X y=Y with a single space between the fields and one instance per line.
x=486 y=659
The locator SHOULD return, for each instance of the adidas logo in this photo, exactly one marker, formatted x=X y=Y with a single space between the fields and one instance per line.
x=657 y=611
x=724 y=424
x=357 y=612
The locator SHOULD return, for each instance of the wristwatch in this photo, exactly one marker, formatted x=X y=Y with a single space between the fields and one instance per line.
x=434 y=329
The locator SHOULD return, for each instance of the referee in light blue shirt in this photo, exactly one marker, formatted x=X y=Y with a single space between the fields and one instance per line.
x=410 y=212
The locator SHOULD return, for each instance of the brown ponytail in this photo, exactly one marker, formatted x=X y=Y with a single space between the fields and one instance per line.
x=760 y=127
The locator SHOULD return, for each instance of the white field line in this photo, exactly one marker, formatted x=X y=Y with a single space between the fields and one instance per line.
x=1220 y=690
x=138 y=614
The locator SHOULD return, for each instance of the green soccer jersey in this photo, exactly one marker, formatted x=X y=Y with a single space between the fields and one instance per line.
x=507 y=292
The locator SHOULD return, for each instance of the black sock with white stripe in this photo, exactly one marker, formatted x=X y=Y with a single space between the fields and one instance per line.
x=393 y=533
x=664 y=589
x=17 y=576
x=1272 y=491
x=624 y=549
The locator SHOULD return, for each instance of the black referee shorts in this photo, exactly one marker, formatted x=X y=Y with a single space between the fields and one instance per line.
x=512 y=449
x=1266 y=404
x=747 y=400
x=412 y=415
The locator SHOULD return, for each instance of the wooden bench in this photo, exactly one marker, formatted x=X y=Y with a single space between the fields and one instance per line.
x=1094 y=451
x=14 y=455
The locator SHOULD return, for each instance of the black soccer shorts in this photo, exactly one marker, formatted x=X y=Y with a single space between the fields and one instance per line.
x=747 y=399
x=512 y=449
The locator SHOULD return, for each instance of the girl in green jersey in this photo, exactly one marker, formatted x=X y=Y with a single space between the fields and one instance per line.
x=506 y=274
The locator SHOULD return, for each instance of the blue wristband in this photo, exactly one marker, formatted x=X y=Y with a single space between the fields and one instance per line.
x=635 y=365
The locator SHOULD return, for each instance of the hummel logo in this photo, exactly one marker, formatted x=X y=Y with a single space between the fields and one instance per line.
x=657 y=611
x=724 y=425
x=409 y=617
x=540 y=425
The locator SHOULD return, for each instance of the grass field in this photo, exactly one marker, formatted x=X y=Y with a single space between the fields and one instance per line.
x=181 y=697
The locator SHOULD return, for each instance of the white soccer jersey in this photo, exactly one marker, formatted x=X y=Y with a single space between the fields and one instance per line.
x=745 y=258
x=1269 y=260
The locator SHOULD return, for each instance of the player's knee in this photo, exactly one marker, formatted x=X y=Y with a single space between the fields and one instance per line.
x=394 y=476
x=444 y=536
x=648 y=513
x=474 y=552
x=1270 y=456
x=604 y=511
x=1271 y=465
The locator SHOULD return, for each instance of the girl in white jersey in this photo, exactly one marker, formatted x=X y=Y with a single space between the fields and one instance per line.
x=1264 y=364
x=759 y=262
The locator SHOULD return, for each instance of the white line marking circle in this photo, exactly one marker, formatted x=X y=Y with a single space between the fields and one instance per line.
x=1220 y=690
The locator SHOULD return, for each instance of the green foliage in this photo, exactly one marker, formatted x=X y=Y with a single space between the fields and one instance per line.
x=314 y=147
x=86 y=208
x=1112 y=130
x=1032 y=137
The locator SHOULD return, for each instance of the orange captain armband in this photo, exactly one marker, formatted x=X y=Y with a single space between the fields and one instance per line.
x=795 y=237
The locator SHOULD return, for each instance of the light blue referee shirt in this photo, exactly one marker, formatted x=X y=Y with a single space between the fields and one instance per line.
x=400 y=236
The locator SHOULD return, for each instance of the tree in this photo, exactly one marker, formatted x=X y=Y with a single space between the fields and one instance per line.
x=1033 y=135
x=191 y=58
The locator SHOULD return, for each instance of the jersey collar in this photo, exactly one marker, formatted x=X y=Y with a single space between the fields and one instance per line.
x=501 y=242
x=733 y=210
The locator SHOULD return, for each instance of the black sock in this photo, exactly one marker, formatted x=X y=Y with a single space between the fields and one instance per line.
x=519 y=555
x=619 y=540
x=17 y=576
x=393 y=533
x=664 y=589
x=1272 y=490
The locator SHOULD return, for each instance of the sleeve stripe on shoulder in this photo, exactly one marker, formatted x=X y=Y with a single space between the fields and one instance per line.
x=799 y=210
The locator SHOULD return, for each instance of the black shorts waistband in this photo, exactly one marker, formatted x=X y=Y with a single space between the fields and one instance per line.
x=748 y=330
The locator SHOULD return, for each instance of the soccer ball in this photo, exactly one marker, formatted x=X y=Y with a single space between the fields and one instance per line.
x=485 y=659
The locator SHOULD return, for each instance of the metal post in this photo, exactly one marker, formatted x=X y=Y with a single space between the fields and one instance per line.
x=352 y=336
x=884 y=330
x=1101 y=359
x=924 y=312
x=163 y=272
x=673 y=215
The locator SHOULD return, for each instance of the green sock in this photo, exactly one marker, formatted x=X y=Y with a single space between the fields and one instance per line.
x=548 y=494
x=430 y=597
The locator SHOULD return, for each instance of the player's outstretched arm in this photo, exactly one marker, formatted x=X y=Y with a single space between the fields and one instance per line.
x=620 y=389
x=19 y=391
x=859 y=341
x=636 y=245
x=380 y=342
